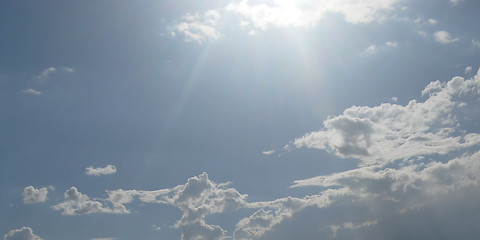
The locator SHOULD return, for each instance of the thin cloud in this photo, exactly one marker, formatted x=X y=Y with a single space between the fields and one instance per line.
x=269 y=152
x=198 y=27
x=31 y=91
x=107 y=170
x=47 y=72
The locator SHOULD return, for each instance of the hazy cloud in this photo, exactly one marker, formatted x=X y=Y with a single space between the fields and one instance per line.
x=269 y=152
x=31 y=91
x=198 y=27
x=444 y=37
x=107 y=170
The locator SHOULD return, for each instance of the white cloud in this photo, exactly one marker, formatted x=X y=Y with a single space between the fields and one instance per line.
x=269 y=152
x=422 y=33
x=468 y=69
x=390 y=132
x=76 y=203
x=24 y=233
x=107 y=170
x=432 y=21
x=391 y=44
x=104 y=238
x=31 y=91
x=444 y=37
x=284 y=13
x=199 y=27
x=33 y=195
x=394 y=99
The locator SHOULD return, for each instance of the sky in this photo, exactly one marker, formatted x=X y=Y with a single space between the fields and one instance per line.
x=242 y=119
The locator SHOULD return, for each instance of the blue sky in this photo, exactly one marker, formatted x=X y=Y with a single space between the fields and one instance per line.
x=239 y=120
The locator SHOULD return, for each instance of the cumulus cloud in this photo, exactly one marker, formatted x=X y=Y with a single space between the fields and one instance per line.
x=432 y=21
x=76 y=203
x=24 y=233
x=197 y=199
x=199 y=27
x=31 y=91
x=107 y=170
x=33 y=195
x=369 y=50
x=390 y=131
x=444 y=37
x=468 y=69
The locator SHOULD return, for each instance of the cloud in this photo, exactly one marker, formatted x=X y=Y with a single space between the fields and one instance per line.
x=269 y=152
x=444 y=37
x=476 y=43
x=390 y=131
x=33 y=195
x=198 y=27
x=107 y=170
x=45 y=73
x=104 y=238
x=391 y=44
x=468 y=69
x=31 y=91
x=24 y=233
x=197 y=199
x=369 y=50
x=76 y=203
x=281 y=13
x=432 y=21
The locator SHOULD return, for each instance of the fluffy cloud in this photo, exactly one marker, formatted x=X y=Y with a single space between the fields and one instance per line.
x=268 y=152
x=390 y=131
x=199 y=27
x=24 y=233
x=33 y=195
x=76 y=203
x=198 y=198
x=444 y=37
x=107 y=170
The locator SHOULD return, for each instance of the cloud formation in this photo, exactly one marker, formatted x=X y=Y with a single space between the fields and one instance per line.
x=24 y=233
x=390 y=131
x=260 y=15
x=76 y=203
x=33 y=195
x=107 y=170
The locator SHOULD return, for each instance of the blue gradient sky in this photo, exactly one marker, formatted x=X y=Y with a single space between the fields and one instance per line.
x=150 y=95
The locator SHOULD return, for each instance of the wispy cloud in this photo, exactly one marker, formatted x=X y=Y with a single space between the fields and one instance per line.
x=444 y=37
x=31 y=91
x=107 y=170
x=269 y=152
x=47 y=72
